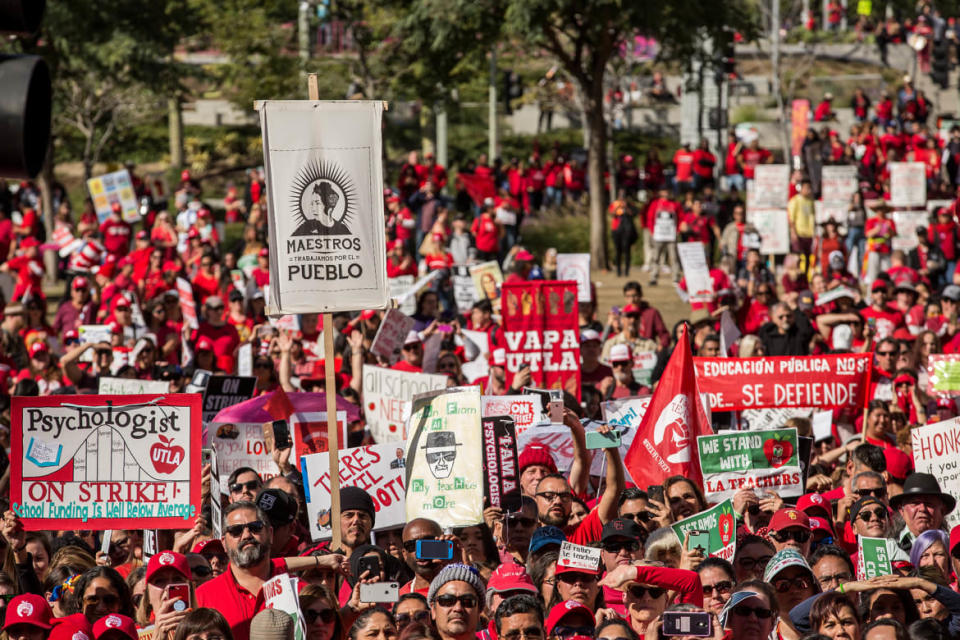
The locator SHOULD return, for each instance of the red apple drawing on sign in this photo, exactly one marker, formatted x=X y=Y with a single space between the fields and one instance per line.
x=726 y=524
x=165 y=456
x=778 y=452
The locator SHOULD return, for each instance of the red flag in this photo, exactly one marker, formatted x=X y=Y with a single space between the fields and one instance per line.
x=279 y=405
x=666 y=441
x=478 y=187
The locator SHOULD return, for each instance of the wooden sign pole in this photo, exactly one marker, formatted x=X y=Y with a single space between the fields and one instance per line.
x=330 y=388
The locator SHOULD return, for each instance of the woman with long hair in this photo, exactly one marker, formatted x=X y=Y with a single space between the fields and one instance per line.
x=321 y=613
x=100 y=592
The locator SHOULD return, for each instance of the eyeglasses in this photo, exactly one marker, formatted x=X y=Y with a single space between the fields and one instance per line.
x=784 y=584
x=800 y=536
x=879 y=492
x=724 y=586
x=467 y=600
x=886 y=354
x=410 y=546
x=311 y=615
x=638 y=591
x=250 y=485
x=572 y=577
x=201 y=571
x=236 y=530
x=403 y=619
x=868 y=515
x=219 y=307
x=639 y=516
x=529 y=632
x=550 y=496
x=744 y=611
x=108 y=600
x=837 y=578
x=564 y=632
x=749 y=563
x=617 y=547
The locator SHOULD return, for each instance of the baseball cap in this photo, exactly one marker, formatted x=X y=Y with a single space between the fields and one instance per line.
x=621 y=528
x=213 y=545
x=38 y=347
x=951 y=292
x=545 y=536
x=499 y=357
x=620 y=352
x=72 y=627
x=805 y=300
x=28 y=242
x=878 y=285
x=562 y=610
x=193 y=233
x=813 y=502
x=510 y=577
x=821 y=524
x=28 y=609
x=213 y=301
x=588 y=335
x=204 y=344
x=80 y=283
x=122 y=301
x=857 y=506
x=524 y=256
x=630 y=308
x=280 y=507
x=142 y=235
x=115 y=622
x=412 y=338
x=264 y=253
x=168 y=559
x=785 y=518
x=899 y=464
x=784 y=559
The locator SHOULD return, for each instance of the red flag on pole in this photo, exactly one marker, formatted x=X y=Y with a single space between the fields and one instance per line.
x=666 y=440
x=279 y=405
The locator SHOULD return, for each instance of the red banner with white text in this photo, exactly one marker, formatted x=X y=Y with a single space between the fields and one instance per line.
x=542 y=330
x=734 y=384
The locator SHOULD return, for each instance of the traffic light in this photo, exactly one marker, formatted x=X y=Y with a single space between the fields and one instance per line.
x=25 y=98
x=940 y=67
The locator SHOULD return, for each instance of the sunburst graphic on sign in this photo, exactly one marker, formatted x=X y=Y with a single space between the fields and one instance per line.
x=324 y=200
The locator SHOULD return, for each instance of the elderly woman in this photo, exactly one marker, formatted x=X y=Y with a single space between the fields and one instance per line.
x=930 y=549
x=751 y=612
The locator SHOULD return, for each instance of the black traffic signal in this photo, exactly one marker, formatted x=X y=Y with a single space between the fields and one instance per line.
x=940 y=64
x=25 y=98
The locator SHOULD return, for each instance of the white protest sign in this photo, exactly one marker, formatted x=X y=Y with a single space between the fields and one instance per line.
x=393 y=330
x=665 y=226
x=907 y=223
x=935 y=452
x=378 y=469
x=836 y=211
x=578 y=556
x=240 y=445
x=324 y=173
x=822 y=424
x=399 y=286
x=130 y=386
x=774 y=229
x=576 y=267
x=771 y=186
x=245 y=359
x=386 y=397
x=524 y=409
x=693 y=259
x=760 y=419
x=280 y=593
x=625 y=415
x=908 y=184
x=464 y=293
x=555 y=438
x=838 y=184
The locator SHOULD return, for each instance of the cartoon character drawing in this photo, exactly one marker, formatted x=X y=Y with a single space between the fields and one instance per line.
x=441 y=451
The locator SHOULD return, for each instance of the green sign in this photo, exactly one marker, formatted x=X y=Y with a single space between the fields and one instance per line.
x=761 y=460
x=864 y=7
x=719 y=523
x=873 y=558
x=944 y=375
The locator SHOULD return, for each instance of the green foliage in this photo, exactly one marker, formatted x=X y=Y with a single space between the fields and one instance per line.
x=565 y=233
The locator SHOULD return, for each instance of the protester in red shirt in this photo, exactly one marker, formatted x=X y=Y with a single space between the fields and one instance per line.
x=883 y=320
x=207 y=281
x=752 y=156
x=683 y=161
x=824 y=110
x=115 y=232
x=411 y=357
x=28 y=268
x=399 y=261
x=486 y=232
x=224 y=336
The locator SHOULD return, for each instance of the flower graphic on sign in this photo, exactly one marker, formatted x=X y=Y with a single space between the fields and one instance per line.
x=323 y=199
x=675 y=422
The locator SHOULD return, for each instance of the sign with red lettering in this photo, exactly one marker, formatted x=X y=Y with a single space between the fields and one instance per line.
x=310 y=432
x=386 y=399
x=935 y=450
x=105 y=462
x=734 y=384
x=378 y=469
x=500 y=472
x=542 y=330
x=524 y=409
x=240 y=444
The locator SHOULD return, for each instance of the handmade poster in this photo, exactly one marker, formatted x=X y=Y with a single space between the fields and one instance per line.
x=280 y=592
x=873 y=557
x=324 y=175
x=487 y=279
x=541 y=326
x=665 y=226
x=109 y=188
x=643 y=364
x=907 y=223
x=799 y=123
x=936 y=448
x=393 y=330
x=720 y=522
x=378 y=469
x=908 y=184
x=734 y=384
x=225 y=391
x=696 y=272
x=624 y=414
x=188 y=307
x=774 y=229
x=771 y=186
x=127 y=386
x=464 y=293
x=399 y=286
x=835 y=211
x=309 y=432
x=764 y=460
x=524 y=410
x=386 y=399
x=501 y=473
x=838 y=183
x=105 y=462
x=575 y=267
x=444 y=458
x=772 y=418
x=555 y=438
x=578 y=556
x=238 y=445
x=943 y=375
x=216 y=493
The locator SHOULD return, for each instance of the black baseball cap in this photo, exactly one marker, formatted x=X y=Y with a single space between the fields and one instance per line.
x=621 y=528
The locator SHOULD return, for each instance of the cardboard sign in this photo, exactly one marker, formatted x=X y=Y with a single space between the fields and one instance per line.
x=771 y=186
x=575 y=267
x=524 y=410
x=128 y=387
x=936 y=449
x=110 y=188
x=541 y=326
x=734 y=384
x=578 y=556
x=943 y=375
x=444 y=458
x=838 y=183
x=464 y=293
x=309 y=431
x=386 y=399
x=774 y=229
x=766 y=460
x=625 y=415
x=225 y=391
x=391 y=335
x=501 y=471
x=487 y=279
x=105 y=462
x=280 y=592
x=665 y=226
x=908 y=184
x=720 y=522
x=240 y=445
x=696 y=272
x=378 y=469
x=873 y=557
x=907 y=223
x=555 y=438
x=399 y=287
x=324 y=169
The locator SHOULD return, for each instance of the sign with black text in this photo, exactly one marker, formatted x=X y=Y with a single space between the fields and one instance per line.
x=500 y=472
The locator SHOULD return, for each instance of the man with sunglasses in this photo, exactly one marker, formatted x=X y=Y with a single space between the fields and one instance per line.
x=620 y=544
x=244 y=483
x=622 y=384
x=455 y=597
x=411 y=357
x=424 y=571
x=790 y=529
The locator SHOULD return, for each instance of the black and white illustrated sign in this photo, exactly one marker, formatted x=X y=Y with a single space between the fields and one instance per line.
x=324 y=180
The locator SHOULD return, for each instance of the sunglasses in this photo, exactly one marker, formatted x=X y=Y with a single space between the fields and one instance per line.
x=749 y=563
x=250 y=485
x=564 y=632
x=326 y=616
x=617 y=547
x=108 y=599
x=800 y=536
x=888 y=354
x=744 y=611
x=201 y=571
x=216 y=308
x=785 y=584
x=879 y=492
x=724 y=586
x=529 y=632
x=639 y=516
x=410 y=546
x=638 y=591
x=523 y=521
x=572 y=577
x=868 y=515
x=403 y=619
x=236 y=530
x=447 y=600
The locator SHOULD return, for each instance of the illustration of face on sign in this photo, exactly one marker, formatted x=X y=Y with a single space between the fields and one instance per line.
x=674 y=423
x=441 y=451
x=323 y=199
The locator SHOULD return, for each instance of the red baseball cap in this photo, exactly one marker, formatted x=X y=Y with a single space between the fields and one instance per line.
x=524 y=255
x=185 y=175
x=72 y=627
x=630 y=308
x=164 y=559
x=213 y=545
x=879 y=285
x=899 y=464
x=193 y=233
x=115 y=622
x=264 y=253
x=116 y=207
x=71 y=334
x=122 y=301
x=204 y=344
x=143 y=235
x=821 y=524
x=38 y=347
x=562 y=610
x=510 y=577
x=80 y=283
x=28 y=242
x=813 y=501
x=785 y=518
x=28 y=609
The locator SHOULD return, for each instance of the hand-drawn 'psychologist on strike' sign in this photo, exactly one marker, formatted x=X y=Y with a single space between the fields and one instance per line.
x=106 y=462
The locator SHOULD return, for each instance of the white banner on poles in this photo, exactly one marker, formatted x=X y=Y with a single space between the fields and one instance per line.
x=908 y=184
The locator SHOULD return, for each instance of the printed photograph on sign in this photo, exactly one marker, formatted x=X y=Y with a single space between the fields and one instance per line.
x=487 y=279
x=240 y=445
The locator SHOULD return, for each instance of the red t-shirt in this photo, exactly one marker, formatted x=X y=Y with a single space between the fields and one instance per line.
x=485 y=233
x=402 y=365
x=261 y=277
x=205 y=286
x=885 y=322
x=116 y=236
x=225 y=342
x=683 y=160
x=237 y=605
x=751 y=158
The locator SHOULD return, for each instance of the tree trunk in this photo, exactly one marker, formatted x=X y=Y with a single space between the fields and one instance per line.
x=175 y=131
x=596 y=163
x=46 y=180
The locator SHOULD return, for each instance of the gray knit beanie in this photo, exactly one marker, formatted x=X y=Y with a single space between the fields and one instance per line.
x=453 y=573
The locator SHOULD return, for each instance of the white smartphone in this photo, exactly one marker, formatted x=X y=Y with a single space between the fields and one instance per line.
x=380 y=592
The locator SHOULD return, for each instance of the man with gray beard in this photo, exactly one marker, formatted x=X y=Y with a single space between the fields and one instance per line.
x=236 y=593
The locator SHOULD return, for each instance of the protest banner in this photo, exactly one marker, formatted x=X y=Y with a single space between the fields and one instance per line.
x=444 y=458
x=576 y=268
x=835 y=211
x=226 y=391
x=107 y=386
x=578 y=556
x=908 y=184
x=625 y=415
x=771 y=186
x=837 y=185
x=324 y=190
x=501 y=474
x=766 y=460
x=109 y=188
x=524 y=409
x=188 y=307
x=541 y=326
x=240 y=444
x=696 y=272
x=487 y=279
x=772 y=418
x=874 y=557
x=309 y=432
x=399 y=286
x=943 y=375
x=774 y=230
x=734 y=384
x=280 y=593
x=105 y=462
x=378 y=469
x=391 y=334
x=386 y=399
x=799 y=123
x=936 y=450
x=464 y=293
x=719 y=522
x=907 y=223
